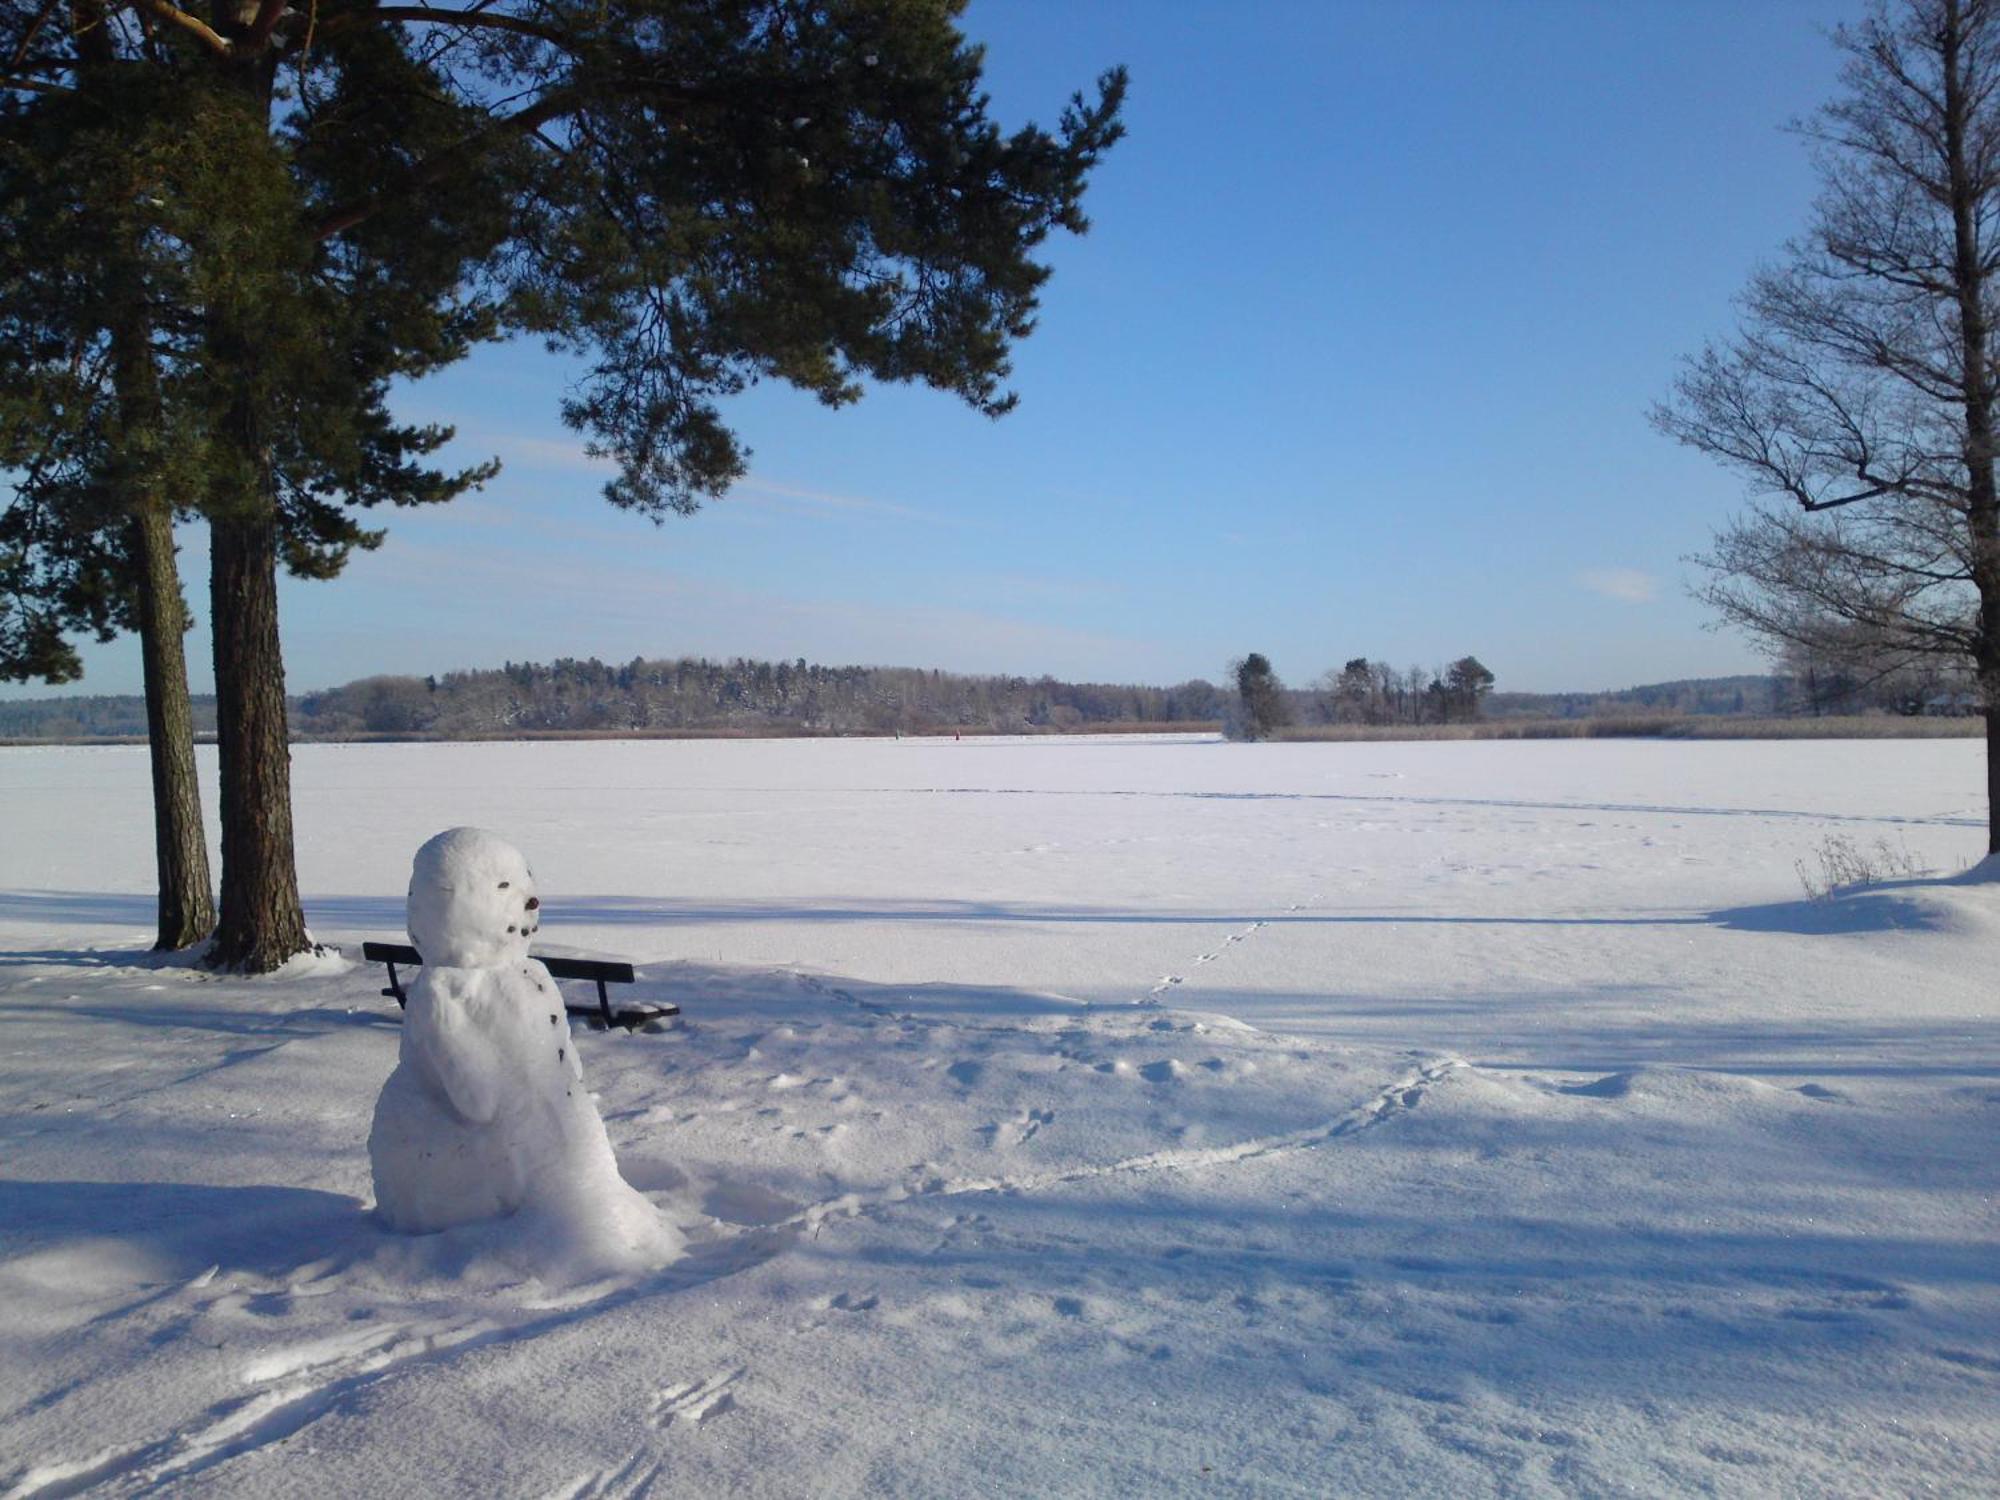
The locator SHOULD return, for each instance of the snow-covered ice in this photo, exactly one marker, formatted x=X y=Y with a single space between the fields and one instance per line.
x=486 y=1114
x=1050 y=1117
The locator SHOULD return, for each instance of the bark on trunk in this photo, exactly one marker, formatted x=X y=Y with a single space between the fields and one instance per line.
x=1992 y=778
x=187 y=902
x=262 y=924
x=1967 y=193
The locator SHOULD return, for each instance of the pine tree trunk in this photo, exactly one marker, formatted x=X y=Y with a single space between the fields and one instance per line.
x=187 y=905
x=1992 y=779
x=262 y=924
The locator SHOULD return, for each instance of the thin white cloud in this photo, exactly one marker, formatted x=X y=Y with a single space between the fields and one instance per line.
x=564 y=455
x=1034 y=586
x=755 y=488
x=1626 y=585
x=571 y=456
x=485 y=604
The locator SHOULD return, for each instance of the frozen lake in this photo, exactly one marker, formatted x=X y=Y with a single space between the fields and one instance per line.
x=1053 y=1116
x=1551 y=902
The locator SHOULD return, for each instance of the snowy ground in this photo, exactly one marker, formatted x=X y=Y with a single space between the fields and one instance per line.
x=1050 y=1117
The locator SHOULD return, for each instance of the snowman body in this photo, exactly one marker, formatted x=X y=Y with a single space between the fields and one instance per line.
x=486 y=1113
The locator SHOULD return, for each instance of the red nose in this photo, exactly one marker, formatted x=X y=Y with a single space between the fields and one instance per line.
x=534 y=903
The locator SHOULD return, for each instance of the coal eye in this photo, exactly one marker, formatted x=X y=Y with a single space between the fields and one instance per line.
x=505 y=883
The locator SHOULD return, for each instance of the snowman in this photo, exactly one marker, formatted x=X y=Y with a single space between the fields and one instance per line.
x=486 y=1114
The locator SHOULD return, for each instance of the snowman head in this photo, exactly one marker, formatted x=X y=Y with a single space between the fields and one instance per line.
x=472 y=901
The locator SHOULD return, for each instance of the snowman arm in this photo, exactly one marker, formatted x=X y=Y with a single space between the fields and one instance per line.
x=460 y=1054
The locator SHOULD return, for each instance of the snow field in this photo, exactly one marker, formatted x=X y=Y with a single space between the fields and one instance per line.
x=1061 y=1117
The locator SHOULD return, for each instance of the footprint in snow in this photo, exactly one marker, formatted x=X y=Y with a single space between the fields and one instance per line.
x=966 y=1073
x=1019 y=1130
x=696 y=1401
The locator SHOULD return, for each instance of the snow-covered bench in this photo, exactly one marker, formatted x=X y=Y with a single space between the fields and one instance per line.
x=601 y=971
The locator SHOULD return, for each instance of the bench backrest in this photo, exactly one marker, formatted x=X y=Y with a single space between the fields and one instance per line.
x=602 y=970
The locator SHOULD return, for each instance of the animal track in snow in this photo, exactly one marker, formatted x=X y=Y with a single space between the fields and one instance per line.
x=301 y=1385
x=696 y=1401
x=966 y=1073
x=1969 y=1360
x=1396 y=1099
x=632 y=1480
x=318 y=1355
x=1169 y=981
x=1018 y=1131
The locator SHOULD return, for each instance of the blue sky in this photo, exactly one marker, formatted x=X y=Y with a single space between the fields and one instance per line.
x=1355 y=361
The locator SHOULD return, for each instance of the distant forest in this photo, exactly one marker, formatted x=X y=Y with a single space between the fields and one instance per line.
x=696 y=695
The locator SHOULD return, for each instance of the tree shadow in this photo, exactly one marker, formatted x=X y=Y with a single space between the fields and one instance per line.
x=150 y=1232
x=1509 y=804
x=1885 y=907
x=167 y=1013
x=1844 y=914
x=1898 y=905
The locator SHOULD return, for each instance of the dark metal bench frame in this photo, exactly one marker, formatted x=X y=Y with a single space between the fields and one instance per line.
x=599 y=970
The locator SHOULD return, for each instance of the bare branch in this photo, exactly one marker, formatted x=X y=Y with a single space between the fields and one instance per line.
x=269 y=13
x=173 y=15
x=469 y=19
x=1874 y=493
x=35 y=86
x=28 y=35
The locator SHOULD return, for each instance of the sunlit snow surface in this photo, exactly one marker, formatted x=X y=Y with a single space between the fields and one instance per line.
x=1049 y=1117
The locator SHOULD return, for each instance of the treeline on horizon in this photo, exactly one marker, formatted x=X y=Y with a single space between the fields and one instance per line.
x=699 y=695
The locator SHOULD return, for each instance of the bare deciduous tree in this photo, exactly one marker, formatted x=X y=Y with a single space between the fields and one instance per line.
x=1859 y=396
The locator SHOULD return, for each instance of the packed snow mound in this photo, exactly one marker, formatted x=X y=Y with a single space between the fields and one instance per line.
x=472 y=901
x=1985 y=872
x=1695 y=1093
x=486 y=1114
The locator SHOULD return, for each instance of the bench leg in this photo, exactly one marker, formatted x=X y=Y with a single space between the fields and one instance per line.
x=604 y=1004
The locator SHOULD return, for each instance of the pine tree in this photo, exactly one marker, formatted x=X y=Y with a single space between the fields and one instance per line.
x=693 y=194
x=1466 y=684
x=1260 y=697
x=86 y=543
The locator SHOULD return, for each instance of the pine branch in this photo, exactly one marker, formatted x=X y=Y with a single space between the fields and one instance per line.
x=471 y=19
x=551 y=106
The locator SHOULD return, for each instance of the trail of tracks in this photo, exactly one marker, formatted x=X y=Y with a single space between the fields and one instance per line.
x=1170 y=982
x=1397 y=1098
